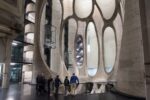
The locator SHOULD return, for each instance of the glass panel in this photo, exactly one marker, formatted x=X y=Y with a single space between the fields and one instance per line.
x=92 y=50
x=79 y=50
x=83 y=8
x=107 y=7
x=109 y=49
x=15 y=72
x=17 y=51
x=92 y=71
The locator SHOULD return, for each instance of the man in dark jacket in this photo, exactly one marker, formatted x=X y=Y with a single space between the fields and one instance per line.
x=49 y=84
x=66 y=84
x=40 y=81
x=57 y=83
x=74 y=81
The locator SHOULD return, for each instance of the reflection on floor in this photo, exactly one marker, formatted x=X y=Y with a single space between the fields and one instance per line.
x=27 y=92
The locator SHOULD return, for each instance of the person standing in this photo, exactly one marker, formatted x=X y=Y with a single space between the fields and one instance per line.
x=74 y=81
x=49 y=84
x=66 y=84
x=57 y=84
x=39 y=82
x=43 y=81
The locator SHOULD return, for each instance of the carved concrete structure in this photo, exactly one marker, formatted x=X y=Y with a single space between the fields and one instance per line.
x=106 y=21
x=102 y=41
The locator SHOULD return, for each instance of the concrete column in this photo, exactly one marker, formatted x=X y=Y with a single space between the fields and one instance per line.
x=145 y=20
x=130 y=76
x=7 y=60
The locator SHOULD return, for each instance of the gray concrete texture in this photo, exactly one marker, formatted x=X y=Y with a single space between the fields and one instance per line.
x=130 y=77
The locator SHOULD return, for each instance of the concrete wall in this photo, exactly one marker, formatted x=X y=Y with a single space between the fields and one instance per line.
x=12 y=14
x=145 y=19
x=56 y=21
x=130 y=77
x=147 y=53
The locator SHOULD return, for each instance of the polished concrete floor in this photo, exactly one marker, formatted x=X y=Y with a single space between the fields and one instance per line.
x=27 y=92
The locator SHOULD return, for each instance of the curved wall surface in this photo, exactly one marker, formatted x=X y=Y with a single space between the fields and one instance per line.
x=39 y=65
x=96 y=27
x=124 y=67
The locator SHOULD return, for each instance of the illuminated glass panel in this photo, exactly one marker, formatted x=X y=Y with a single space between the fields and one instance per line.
x=109 y=49
x=79 y=50
x=92 y=49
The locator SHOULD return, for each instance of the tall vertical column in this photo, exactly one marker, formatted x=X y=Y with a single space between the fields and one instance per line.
x=7 y=60
x=145 y=20
x=130 y=76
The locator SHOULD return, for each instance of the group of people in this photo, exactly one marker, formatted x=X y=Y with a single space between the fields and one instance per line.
x=54 y=84
x=40 y=83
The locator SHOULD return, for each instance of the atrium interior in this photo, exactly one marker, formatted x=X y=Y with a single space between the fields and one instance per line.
x=104 y=42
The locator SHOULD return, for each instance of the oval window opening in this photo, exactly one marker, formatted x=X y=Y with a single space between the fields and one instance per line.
x=109 y=49
x=92 y=49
